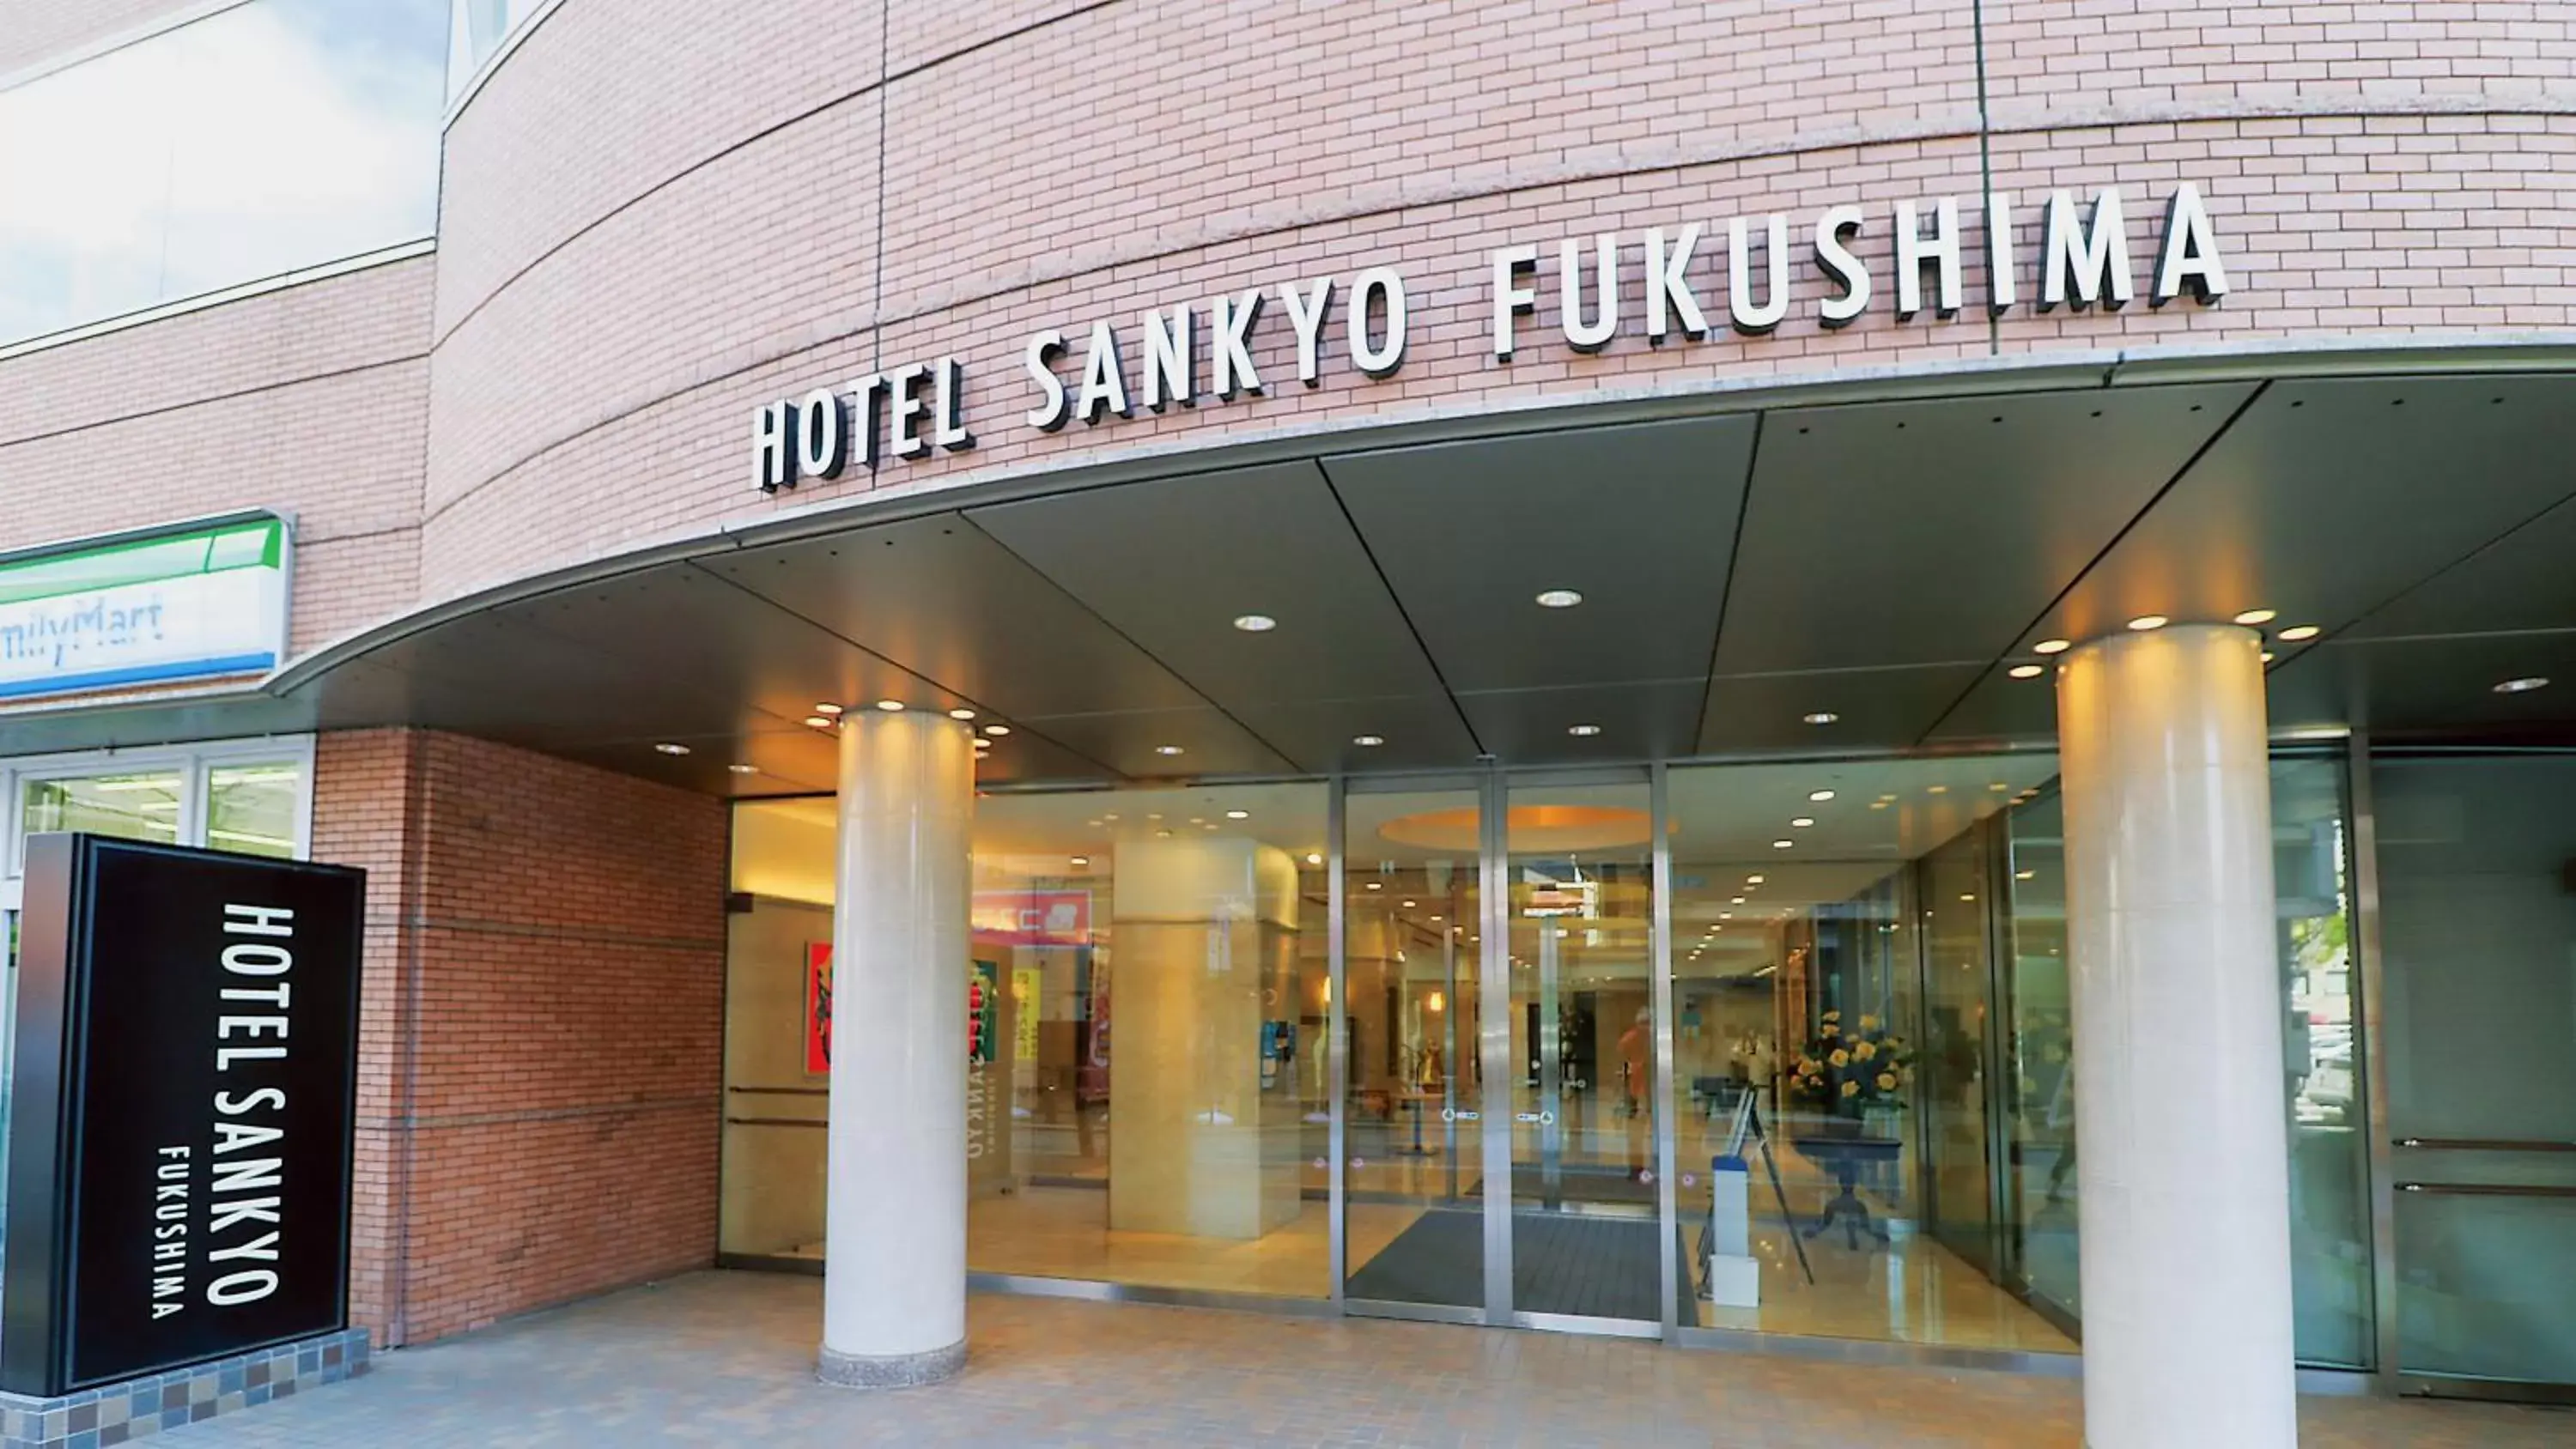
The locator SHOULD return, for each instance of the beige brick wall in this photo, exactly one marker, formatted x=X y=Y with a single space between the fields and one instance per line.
x=312 y=400
x=540 y=1042
x=33 y=31
x=638 y=250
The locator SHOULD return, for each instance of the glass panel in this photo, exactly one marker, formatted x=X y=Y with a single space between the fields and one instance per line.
x=1583 y=1052
x=2478 y=934
x=1414 y=1226
x=1156 y=960
x=2329 y=1146
x=2040 y=1126
x=252 y=808
x=1799 y=1082
x=1956 y=1017
x=260 y=140
x=476 y=28
x=777 y=1059
x=143 y=806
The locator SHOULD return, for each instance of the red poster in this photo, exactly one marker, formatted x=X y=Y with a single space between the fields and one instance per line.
x=818 y=1007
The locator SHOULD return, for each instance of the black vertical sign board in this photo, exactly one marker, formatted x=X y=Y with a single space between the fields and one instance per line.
x=179 y=1139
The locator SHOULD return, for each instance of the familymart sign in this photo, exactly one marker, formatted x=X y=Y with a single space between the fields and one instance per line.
x=1674 y=285
x=193 y=603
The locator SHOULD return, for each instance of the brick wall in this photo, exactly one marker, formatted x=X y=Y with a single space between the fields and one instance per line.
x=37 y=30
x=540 y=1059
x=639 y=246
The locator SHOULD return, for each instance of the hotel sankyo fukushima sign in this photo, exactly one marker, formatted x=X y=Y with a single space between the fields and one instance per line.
x=201 y=602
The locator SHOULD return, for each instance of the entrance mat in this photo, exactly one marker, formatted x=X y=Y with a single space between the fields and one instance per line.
x=1561 y=1263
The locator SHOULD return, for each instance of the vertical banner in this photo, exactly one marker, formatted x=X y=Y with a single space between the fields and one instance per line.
x=818 y=1008
x=184 y=1092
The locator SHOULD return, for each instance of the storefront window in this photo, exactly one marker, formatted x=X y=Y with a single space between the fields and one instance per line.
x=1152 y=959
x=251 y=809
x=127 y=806
x=258 y=141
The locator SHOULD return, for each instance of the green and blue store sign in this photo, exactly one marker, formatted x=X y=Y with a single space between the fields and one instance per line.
x=203 y=601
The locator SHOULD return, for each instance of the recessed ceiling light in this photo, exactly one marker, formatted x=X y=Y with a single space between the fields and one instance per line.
x=1238 y=815
x=1822 y=717
x=744 y=769
x=828 y=709
x=1877 y=804
x=1559 y=599
x=2051 y=646
x=2144 y=622
x=1726 y=915
x=2027 y=671
x=1782 y=844
x=820 y=722
x=1167 y=749
x=1408 y=905
x=961 y=714
x=1314 y=857
x=997 y=730
x=1255 y=623
x=1198 y=820
x=1368 y=742
x=2252 y=617
x=2524 y=685
x=1967 y=896
x=1082 y=860
x=1735 y=900
x=1999 y=787
x=1373 y=885
x=1801 y=822
x=1435 y=918
x=2269 y=656
x=1937 y=790
x=1583 y=731
x=1753 y=880
x=2025 y=874
x=890 y=706
x=1820 y=795
x=669 y=748
x=2297 y=632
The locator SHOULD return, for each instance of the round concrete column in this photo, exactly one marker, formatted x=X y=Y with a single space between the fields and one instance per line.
x=894 y=1256
x=2183 y=1155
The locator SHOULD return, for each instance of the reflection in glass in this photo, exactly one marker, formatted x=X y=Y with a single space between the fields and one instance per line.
x=257 y=141
x=129 y=807
x=1957 y=1015
x=476 y=28
x=251 y=809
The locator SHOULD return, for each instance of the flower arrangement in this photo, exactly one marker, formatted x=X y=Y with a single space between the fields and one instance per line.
x=1847 y=1072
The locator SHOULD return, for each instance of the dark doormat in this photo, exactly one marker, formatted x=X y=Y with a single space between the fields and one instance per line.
x=1590 y=1266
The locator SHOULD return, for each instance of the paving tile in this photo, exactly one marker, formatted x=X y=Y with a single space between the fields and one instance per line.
x=727 y=1358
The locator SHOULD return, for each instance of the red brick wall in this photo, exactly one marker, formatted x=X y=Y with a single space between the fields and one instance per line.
x=639 y=243
x=540 y=1064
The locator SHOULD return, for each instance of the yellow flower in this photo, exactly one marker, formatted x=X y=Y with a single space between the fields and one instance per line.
x=1851 y=1089
x=1862 y=1051
x=1833 y=1016
x=1887 y=1081
x=1815 y=1081
x=1832 y=1031
x=1840 y=1058
x=1869 y=1023
x=1806 y=1066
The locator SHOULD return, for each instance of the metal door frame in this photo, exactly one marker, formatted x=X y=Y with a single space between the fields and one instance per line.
x=1492 y=788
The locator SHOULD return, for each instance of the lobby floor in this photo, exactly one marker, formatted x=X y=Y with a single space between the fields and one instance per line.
x=727 y=1358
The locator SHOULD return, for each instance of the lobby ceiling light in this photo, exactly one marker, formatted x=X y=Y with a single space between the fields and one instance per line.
x=828 y=710
x=1255 y=623
x=1936 y=789
x=2300 y=633
x=891 y=706
x=1820 y=796
x=2025 y=875
x=1821 y=717
x=1559 y=599
x=1408 y=905
x=2269 y=656
x=744 y=769
x=997 y=730
x=818 y=721
x=2252 y=617
x=1082 y=860
x=1801 y=822
x=1238 y=815
x=1753 y=880
x=2051 y=646
x=1167 y=749
x=1726 y=916
x=1314 y=857
x=1735 y=900
x=2144 y=622
x=2027 y=671
x=1583 y=731
x=2524 y=685
x=961 y=714
x=1782 y=844
x=1999 y=787
x=1368 y=742
x=1373 y=885
x=669 y=748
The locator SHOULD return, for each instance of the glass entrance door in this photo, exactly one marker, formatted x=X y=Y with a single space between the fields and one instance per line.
x=1499 y=1093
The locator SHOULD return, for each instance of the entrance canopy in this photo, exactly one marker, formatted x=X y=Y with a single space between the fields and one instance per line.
x=1727 y=575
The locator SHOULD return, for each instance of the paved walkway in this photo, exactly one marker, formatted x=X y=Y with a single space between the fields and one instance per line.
x=726 y=1358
